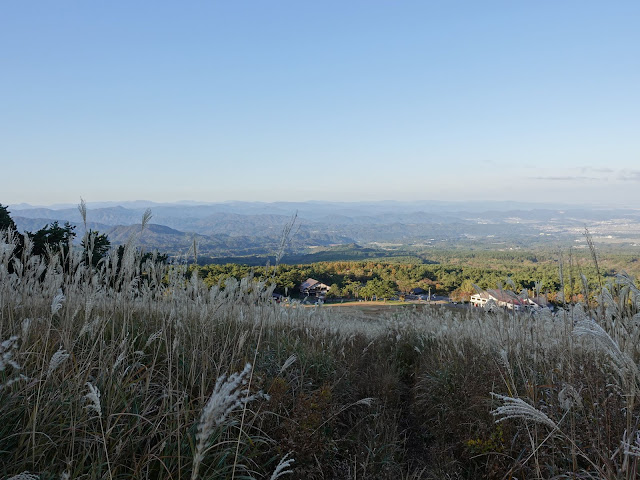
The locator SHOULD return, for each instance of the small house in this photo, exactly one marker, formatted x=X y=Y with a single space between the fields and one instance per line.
x=313 y=288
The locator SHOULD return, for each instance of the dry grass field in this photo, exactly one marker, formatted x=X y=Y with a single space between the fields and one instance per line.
x=136 y=369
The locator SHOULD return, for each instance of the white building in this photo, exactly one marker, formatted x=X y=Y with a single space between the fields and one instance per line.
x=502 y=298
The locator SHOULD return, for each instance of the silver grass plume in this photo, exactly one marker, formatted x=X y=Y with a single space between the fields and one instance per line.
x=288 y=362
x=281 y=468
x=26 y=326
x=585 y=285
x=227 y=396
x=624 y=279
x=518 y=408
x=589 y=328
x=94 y=399
x=606 y=298
x=285 y=238
x=146 y=217
x=364 y=401
x=122 y=355
x=24 y=476
x=57 y=359
x=82 y=208
x=7 y=349
x=56 y=303
x=152 y=338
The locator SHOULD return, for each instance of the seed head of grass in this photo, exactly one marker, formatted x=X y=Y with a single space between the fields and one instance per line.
x=153 y=337
x=57 y=359
x=93 y=398
x=227 y=396
x=588 y=328
x=24 y=476
x=518 y=408
x=56 y=303
x=281 y=469
x=288 y=362
x=7 y=349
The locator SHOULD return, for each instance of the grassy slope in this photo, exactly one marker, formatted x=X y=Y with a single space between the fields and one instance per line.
x=398 y=395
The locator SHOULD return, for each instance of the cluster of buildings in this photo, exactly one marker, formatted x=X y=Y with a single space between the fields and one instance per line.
x=507 y=299
x=487 y=298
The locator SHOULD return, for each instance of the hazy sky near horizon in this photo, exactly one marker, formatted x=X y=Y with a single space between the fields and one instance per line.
x=320 y=100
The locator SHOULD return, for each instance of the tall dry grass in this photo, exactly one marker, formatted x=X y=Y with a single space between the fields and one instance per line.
x=106 y=372
x=137 y=370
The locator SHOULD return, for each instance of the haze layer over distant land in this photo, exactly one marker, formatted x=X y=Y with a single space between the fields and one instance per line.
x=233 y=229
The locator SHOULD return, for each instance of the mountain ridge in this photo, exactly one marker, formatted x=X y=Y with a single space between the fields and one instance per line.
x=234 y=227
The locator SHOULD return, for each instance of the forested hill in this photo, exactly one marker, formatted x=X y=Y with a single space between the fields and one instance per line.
x=454 y=274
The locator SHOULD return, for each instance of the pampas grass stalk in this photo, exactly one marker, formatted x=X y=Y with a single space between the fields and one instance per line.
x=94 y=405
x=588 y=328
x=281 y=469
x=57 y=359
x=24 y=476
x=226 y=397
x=518 y=408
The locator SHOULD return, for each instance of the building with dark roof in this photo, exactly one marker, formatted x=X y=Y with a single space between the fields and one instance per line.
x=313 y=288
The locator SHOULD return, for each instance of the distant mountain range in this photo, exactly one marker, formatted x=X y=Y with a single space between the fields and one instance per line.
x=247 y=228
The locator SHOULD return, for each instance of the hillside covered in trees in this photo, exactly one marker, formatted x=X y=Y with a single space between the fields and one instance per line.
x=450 y=273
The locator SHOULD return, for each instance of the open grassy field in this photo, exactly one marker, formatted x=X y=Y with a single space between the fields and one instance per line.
x=135 y=369
x=382 y=309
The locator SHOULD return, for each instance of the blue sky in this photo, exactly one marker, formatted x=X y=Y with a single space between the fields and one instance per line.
x=320 y=100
